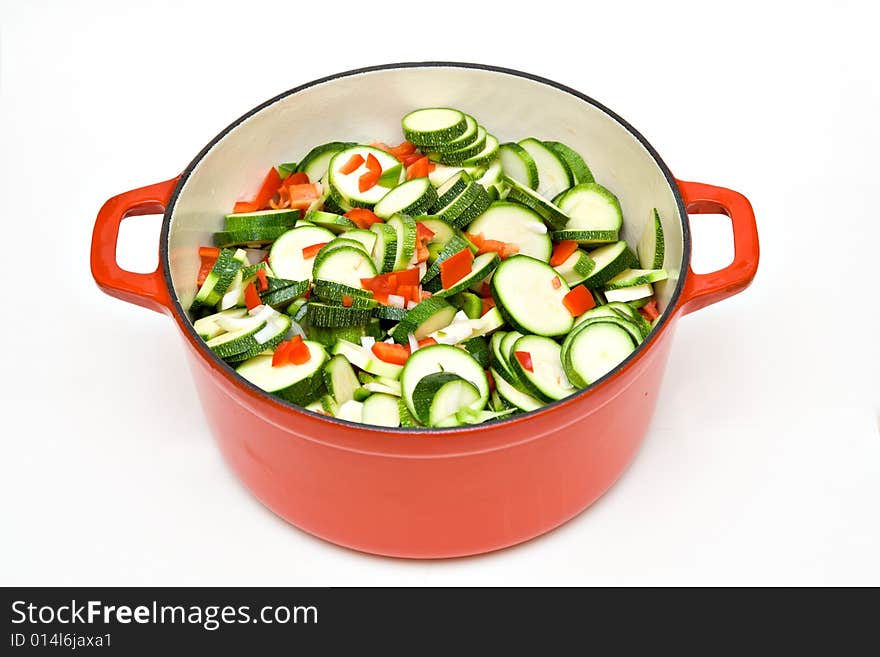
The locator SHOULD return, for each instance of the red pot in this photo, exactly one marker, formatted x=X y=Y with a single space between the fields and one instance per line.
x=419 y=493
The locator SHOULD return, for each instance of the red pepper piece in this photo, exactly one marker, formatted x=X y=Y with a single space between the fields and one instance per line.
x=244 y=206
x=311 y=251
x=299 y=351
x=391 y=353
x=487 y=304
x=456 y=267
x=362 y=218
x=347 y=301
x=562 y=251
x=418 y=169
x=354 y=163
x=649 y=311
x=271 y=185
x=262 y=278
x=299 y=178
x=423 y=233
x=279 y=358
x=368 y=180
x=578 y=301
x=525 y=359
x=556 y=283
x=251 y=297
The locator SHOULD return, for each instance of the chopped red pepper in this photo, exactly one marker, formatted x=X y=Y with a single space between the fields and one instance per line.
x=487 y=303
x=486 y=290
x=475 y=238
x=251 y=297
x=368 y=180
x=408 y=276
x=456 y=267
x=264 y=281
x=503 y=249
x=209 y=252
x=525 y=359
x=382 y=146
x=578 y=301
x=373 y=165
x=562 y=251
x=299 y=351
x=391 y=353
x=354 y=163
x=362 y=218
x=407 y=160
x=490 y=380
x=649 y=311
x=402 y=149
x=279 y=358
x=556 y=283
x=270 y=186
x=409 y=292
x=347 y=301
x=418 y=169
x=209 y=255
x=298 y=178
x=423 y=233
x=303 y=192
x=244 y=206
x=422 y=252
x=311 y=251
x=427 y=342
x=424 y=294
x=386 y=284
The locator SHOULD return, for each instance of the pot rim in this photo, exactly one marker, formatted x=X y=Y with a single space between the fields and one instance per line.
x=396 y=433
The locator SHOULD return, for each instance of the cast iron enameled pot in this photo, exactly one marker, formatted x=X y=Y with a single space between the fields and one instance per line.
x=421 y=493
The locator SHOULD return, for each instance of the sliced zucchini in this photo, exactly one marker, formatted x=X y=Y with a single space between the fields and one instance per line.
x=579 y=170
x=412 y=197
x=546 y=378
x=468 y=137
x=329 y=336
x=464 y=153
x=554 y=176
x=626 y=294
x=458 y=211
x=513 y=396
x=553 y=216
x=440 y=396
x=352 y=411
x=443 y=358
x=651 y=248
x=367 y=238
x=528 y=297
x=208 y=328
x=518 y=165
x=576 y=268
x=498 y=357
x=515 y=224
x=385 y=248
x=330 y=220
x=330 y=291
x=430 y=315
x=406 y=230
x=332 y=316
x=366 y=360
x=218 y=280
x=316 y=162
x=634 y=277
x=479 y=350
x=381 y=410
x=610 y=261
x=346 y=265
x=585 y=237
x=281 y=291
x=346 y=185
x=451 y=188
x=286 y=255
x=443 y=232
x=469 y=303
x=434 y=125
x=489 y=153
x=246 y=221
x=255 y=235
x=594 y=350
x=392 y=313
x=340 y=379
x=299 y=384
x=590 y=207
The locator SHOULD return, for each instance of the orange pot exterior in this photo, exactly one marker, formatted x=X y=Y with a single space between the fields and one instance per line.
x=447 y=493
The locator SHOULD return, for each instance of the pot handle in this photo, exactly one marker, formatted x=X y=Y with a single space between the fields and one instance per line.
x=147 y=290
x=703 y=289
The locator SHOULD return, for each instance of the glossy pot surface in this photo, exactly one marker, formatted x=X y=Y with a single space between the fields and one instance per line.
x=421 y=493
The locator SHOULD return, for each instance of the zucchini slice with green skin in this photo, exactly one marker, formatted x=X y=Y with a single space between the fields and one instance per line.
x=329 y=405
x=430 y=315
x=346 y=265
x=443 y=232
x=610 y=261
x=286 y=255
x=367 y=238
x=579 y=170
x=586 y=237
x=462 y=154
x=391 y=313
x=546 y=380
x=483 y=265
x=330 y=316
x=412 y=197
x=479 y=350
x=554 y=176
x=443 y=358
x=352 y=411
x=459 y=205
x=246 y=221
x=498 y=358
x=518 y=164
x=330 y=220
x=634 y=277
x=433 y=125
x=316 y=162
x=255 y=235
x=651 y=248
x=365 y=359
x=505 y=364
x=468 y=137
x=576 y=268
x=590 y=207
x=489 y=153
x=626 y=294
x=330 y=291
x=285 y=169
x=208 y=328
x=439 y=397
x=329 y=336
x=515 y=224
x=346 y=186
x=631 y=314
x=635 y=332
x=599 y=311
x=242 y=338
x=340 y=379
x=451 y=188
x=492 y=176
x=467 y=302
x=407 y=419
x=385 y=248
x=299 y=384
x=528 y=298
x=594 y=350
x=475 y=209
x=220 y=278
x=281 y=291
x=381 y=410
x=513 y=396
x=553 y=216
x=407 y=231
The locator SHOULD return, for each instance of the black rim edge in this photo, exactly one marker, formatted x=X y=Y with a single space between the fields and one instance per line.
x=397 y=432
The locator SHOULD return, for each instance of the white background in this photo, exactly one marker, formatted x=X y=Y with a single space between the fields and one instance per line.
x=762 y=465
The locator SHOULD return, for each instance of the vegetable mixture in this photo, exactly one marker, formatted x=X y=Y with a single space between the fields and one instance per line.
x=446 y=281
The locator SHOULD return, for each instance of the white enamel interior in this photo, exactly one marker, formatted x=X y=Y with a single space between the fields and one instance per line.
x=368 y=107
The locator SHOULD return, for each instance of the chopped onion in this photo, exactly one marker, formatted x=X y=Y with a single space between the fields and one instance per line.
x=423 y=269
x=255 y=255
x=396 y=300
x=295 y=329
x=411 y=304
x=268 y=331
x=368 y=341
x=413 y=343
